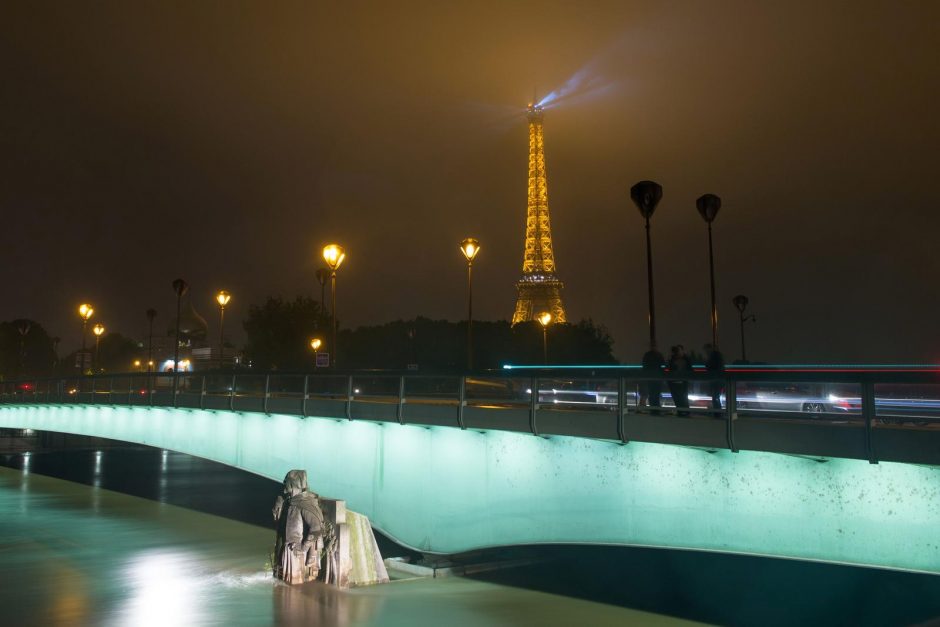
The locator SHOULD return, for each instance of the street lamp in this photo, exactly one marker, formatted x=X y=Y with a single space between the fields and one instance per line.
x=740 y=301
x=708 y=206
x=23 y=329
x=222 y=298
x=646 y=195
x=85 y=312
x=180 y=287
x=545 y=319
x=322 y=275
x=98 y=330
x=315 y=344
x=151 y=314
x=470 y=247
x=334 y=255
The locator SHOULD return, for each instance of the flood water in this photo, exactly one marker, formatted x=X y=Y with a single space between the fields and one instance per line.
x=139 y=536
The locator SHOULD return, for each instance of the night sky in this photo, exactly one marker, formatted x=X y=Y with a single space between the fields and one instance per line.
x=227 y=142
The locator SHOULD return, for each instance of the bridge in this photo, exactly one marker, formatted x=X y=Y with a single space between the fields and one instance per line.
x=837 y=465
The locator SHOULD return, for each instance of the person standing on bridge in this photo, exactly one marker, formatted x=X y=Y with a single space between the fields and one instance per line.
x=679 y=365
x=715 y=365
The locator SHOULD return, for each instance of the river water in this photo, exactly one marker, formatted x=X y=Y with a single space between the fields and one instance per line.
x=139 y=536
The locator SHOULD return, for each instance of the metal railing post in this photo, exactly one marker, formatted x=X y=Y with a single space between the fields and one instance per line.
x=111 y=390
x=349 y=397
x=868 y=413
x=267 y=393
x=202 y=394
x=461 y=400
x=176 y=386
x=303 y=402
x=401 y=399
x=94 y=388
x=731 y=411
x=621 y=409
x=534 y=406
x=231 y=395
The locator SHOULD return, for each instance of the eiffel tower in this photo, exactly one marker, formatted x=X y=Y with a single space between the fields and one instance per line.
x=539 y=289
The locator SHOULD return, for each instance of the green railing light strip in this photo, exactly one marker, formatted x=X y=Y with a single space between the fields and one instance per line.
x=572 y=367
x=784 y=367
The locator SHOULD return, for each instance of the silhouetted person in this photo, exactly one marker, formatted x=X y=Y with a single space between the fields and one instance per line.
x=679 y=364
x=653 y=363
x=715 y=365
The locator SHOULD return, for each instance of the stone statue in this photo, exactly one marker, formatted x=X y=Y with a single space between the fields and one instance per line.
x=301 y=531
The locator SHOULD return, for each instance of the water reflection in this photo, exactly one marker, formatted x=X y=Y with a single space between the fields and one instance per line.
x=132 y=561
x=318 y=604
x=164 y=590
x=74 y=554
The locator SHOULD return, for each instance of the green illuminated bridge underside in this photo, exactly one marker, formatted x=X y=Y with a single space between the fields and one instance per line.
x=442 y=489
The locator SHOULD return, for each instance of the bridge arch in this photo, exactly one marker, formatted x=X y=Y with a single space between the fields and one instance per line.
x=447 y=490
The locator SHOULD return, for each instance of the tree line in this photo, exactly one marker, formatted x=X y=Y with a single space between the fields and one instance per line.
x=278 y=333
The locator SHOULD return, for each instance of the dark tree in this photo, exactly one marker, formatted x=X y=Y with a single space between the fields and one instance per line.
x=440 y=345
x=26 y=350
x=117 y=353
x=279 y=333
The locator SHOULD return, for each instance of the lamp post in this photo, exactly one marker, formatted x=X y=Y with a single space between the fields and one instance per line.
x=315 y=344
x=85 y=312
x=222 y=298
x=708 y=206
x=740 y=301
x=470 y=247
x=412 y=334
x=322 y=275
x=23 y=329
x=646 y=195
x=180 y=287
x=545 y=319
x=334 y=255
x=151 y=314
x=98 y=330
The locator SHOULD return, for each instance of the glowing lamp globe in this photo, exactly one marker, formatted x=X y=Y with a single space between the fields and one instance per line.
x=98 y=329
x=334 y=255
x=545 y=318
x=223 y=298
x=470 y=247
x=85 y=311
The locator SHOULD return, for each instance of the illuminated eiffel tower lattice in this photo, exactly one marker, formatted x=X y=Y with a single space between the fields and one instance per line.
x=539 y=289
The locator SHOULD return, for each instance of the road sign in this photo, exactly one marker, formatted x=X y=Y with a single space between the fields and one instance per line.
x=323 y=360
x=83 y=360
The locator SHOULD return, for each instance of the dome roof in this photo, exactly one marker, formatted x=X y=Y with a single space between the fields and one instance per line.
x=192 y=325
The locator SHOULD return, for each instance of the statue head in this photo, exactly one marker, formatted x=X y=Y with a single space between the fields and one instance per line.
x=295 y=482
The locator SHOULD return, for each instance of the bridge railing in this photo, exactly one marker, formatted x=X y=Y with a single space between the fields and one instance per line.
x=873 y=415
